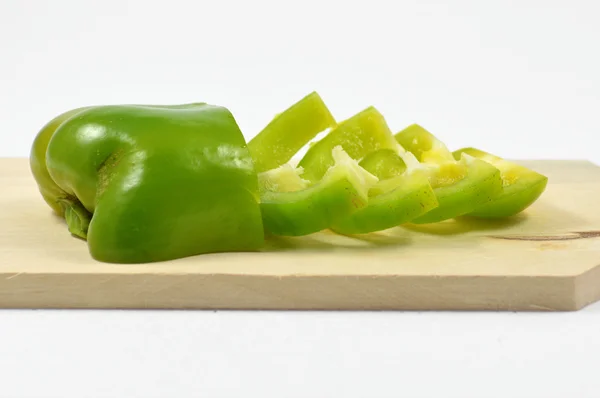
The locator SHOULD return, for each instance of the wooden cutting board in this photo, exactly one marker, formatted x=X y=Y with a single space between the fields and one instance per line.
x=548 y=258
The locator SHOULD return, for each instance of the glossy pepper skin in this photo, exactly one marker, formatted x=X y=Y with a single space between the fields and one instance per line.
x=37 y=161
x=155 y=182
x=521 y=186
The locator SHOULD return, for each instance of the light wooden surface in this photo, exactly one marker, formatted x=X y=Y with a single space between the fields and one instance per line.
x=546 y=259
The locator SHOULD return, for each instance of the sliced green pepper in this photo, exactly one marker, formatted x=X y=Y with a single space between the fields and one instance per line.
x=289 y=131
x=392 y=202
x=460 y=186
x=145 y=183
x=153 y=182
x=521 y=186
x=401 y=194
x=359 y=135
x=291 y=206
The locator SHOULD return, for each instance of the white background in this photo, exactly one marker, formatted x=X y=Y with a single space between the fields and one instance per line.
x=518 y=78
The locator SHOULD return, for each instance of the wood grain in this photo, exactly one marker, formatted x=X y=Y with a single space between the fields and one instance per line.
x=548 y=258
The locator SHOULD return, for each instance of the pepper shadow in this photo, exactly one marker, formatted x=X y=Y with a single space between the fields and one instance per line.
x=327 y=240
x=466 y=224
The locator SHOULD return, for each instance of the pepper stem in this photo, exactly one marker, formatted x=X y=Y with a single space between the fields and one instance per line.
x=77 y=217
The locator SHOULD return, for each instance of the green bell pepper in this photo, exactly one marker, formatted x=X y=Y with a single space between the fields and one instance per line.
x=289 y=131
x=461 y=186
x=146 y=183
x=521 y=186
x=293 y=206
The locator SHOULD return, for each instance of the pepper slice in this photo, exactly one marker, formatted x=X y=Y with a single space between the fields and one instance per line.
x=153 y=182
x=460 y=186
x=424 y=145
x=359 y=135
x=384 y=163
x=291 y=206
x=289 y=131
x=521 y=186
x=392 y=202
x=401 y=195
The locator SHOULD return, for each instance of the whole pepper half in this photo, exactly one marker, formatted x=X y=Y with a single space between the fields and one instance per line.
x=150 y=183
